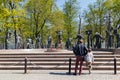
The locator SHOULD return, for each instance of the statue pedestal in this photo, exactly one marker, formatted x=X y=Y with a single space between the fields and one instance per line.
x=51 y=50
x=55 y=50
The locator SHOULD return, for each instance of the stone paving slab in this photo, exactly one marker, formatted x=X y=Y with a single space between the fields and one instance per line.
x=57 y=75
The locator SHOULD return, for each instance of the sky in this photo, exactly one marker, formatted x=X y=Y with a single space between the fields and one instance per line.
x=83 y=3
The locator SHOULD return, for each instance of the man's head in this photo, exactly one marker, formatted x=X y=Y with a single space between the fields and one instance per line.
x=81 y=41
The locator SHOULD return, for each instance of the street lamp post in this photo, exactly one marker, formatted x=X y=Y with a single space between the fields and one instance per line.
x=79 y=29
x=79 y=36
x=109 y=35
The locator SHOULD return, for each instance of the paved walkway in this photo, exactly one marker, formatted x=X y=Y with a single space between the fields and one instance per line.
x=57 y=75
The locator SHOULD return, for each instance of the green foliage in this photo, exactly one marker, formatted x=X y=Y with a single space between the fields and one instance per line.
x=38 y=12
x=70 y=14
x=56 y=19
x=43 y=18
x=94 y=17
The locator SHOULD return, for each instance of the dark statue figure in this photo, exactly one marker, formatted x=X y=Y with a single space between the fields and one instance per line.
x=49 y=41
x=98 y=38
x=89 y=39
x=110 y=39
x=59 y=35
x=68 y=44
x=117 y=36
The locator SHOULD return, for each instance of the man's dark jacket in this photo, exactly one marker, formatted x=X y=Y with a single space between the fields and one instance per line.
x=80 y=50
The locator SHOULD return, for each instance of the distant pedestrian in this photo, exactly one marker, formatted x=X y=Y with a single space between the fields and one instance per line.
x=89 y=58
x=80 y=51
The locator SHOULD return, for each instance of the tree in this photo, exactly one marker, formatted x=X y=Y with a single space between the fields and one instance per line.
x=114 y=8
x=56 y=21
x=38 y=11
x=95 y=16
x=70 y=14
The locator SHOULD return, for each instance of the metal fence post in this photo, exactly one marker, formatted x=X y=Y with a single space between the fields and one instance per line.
x=25 y=66
x=70 y=66
x=115 y=66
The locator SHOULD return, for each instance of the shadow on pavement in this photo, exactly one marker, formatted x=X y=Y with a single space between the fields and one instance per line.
x=56 y=73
